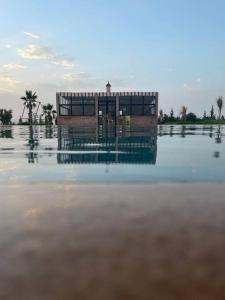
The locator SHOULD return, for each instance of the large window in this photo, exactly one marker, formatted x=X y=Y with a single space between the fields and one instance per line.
x=137 y=105
x=76 y=106
x=64 y=106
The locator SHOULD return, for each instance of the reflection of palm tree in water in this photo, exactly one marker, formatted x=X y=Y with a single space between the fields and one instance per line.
x=49 y=132
x=171 y=130
x=216 y=154
x=33 y=144
x=183 y=132
x=6 y=133
x=218 y=138
x=211 y=131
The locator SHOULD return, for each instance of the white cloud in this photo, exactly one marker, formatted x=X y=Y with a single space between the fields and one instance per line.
x=4 y=90
x=76 y=76
x=187 y=87
x=65 y=62
x=8 y=80
x=198 y=80
x=32 y=35
x=8 y=46
x=38 y=52
x=14 y=67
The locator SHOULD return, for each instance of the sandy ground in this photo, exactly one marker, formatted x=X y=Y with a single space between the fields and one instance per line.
x=112 y=242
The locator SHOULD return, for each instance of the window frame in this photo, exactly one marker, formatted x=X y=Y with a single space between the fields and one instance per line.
x=132 y=104
x=80 y=103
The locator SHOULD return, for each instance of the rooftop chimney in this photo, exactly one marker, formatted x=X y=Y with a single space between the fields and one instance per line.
x=108 y=87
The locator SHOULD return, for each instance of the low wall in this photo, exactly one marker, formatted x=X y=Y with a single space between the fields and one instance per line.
x=93 y=121
x=143 y=120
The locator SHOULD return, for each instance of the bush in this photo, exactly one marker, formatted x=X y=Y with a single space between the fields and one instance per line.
x=5 y=116
x=191 y=117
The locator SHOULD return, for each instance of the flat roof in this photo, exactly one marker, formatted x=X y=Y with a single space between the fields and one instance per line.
x=104 y=94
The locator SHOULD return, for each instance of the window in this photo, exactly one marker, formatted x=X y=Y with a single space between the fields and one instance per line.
x=89 y=110
x=125 y=106
x=112 y=109
x=137 y=105
x=64 y=100
x=150 y=100
x=77 y=100
x=77 y=110
x=64 y=110
x=89 y=101
x=137 y=100
x=124 y=100
x=76 y=106
x=137 y=110
x=89 y=106
x=147 y=110
x=126 y=110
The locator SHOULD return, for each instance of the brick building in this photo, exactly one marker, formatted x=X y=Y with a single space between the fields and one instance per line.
x=116 y=108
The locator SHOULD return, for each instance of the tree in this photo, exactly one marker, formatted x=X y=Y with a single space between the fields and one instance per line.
x=212 y=115
x=183 y=113
x=5 y=116
x=160 y=115
x=191 y=117
x=49 y=113
x=30 y=100
x=204 y=115
x=219 y=102
x=166 y=118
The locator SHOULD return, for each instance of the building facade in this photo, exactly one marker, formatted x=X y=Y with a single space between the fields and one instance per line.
x=116 y=108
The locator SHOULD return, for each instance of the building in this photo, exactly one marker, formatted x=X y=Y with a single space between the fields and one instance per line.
x=116 y=108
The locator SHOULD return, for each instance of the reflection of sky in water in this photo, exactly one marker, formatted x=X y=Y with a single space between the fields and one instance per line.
x=177 y=153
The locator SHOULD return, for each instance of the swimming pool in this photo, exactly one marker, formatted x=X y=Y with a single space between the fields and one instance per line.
x=193 y=153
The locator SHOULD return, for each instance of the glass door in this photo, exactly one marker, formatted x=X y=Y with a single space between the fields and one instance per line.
x=107 y=111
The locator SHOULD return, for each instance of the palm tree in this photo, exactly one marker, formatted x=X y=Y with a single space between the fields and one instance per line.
x=183 y=113
x=219 y=102
x=30 y=102
x=49 y=113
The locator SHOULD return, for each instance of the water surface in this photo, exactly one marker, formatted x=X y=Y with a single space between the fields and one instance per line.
x=193 y=153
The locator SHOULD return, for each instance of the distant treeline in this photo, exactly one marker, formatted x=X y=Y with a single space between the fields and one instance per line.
x=191 y=117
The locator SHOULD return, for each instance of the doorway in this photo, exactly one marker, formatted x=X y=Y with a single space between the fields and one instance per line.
x=107 y=111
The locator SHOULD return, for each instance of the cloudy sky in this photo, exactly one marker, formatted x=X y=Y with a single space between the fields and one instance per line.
x=176 y=47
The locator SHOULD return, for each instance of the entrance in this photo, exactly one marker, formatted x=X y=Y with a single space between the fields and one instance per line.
x=107 y=111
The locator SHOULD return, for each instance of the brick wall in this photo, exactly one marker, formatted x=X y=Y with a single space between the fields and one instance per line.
x=142 y=120
x=77 y=121
x=93 y=121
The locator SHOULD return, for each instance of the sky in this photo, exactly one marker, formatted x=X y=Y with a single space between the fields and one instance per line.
x=175 y=47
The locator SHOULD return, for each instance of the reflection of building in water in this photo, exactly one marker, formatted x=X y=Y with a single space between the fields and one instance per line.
x=108 y=147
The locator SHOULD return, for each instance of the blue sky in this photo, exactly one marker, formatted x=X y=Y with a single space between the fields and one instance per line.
x=175 y=47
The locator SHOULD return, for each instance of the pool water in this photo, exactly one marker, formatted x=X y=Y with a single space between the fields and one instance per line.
x=193 y=153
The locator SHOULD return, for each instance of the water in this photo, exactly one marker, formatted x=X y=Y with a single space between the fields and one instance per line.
x=112 y=241
x=160 y=154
